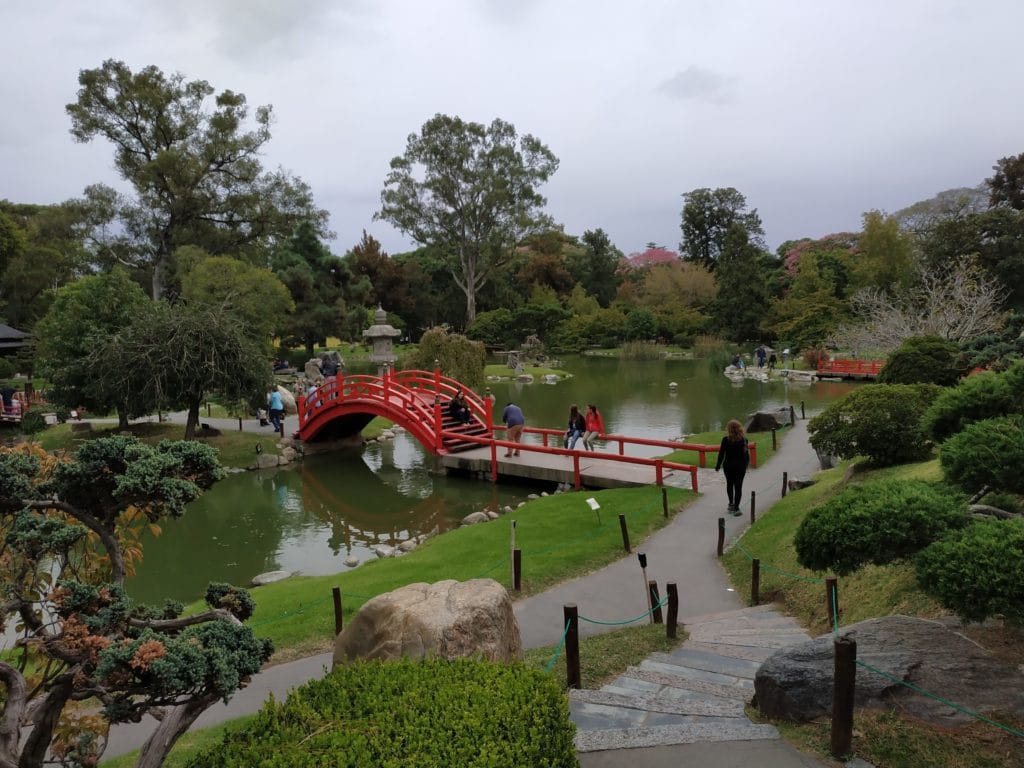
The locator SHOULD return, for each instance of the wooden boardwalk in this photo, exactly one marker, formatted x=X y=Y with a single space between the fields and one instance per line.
x=595 y=472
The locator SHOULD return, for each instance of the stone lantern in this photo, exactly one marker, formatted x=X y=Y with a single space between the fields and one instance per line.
x=381 y=334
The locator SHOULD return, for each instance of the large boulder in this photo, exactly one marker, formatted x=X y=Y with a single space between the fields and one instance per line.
x=795 y=683
x=766 y=421
x=287 y=400
x=450 y=619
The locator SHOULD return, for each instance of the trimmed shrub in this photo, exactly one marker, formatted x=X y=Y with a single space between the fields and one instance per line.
x=989 y=452
x=876 y=522
x=977 y=572
x=879 y=421
x=982 y=396
x=431 y=714
x=923 y=360
x=460 y=358
x=33 y=421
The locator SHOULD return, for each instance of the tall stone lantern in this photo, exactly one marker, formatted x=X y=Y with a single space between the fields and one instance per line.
x=381 y=334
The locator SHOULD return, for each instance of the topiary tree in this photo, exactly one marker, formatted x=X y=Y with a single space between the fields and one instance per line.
x=924 y=360
x=981 y=396
x=69 y=533
x=879 y=421
x=987 y=453
x=877 y=522
x=458 y=357
x=977 y=572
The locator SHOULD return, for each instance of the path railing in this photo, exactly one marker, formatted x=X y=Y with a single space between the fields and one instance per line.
x=844 y=367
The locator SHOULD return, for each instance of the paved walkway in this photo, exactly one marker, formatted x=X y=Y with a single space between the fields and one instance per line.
x=683 y=552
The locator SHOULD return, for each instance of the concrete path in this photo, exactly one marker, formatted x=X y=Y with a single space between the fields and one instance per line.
x=683 y=552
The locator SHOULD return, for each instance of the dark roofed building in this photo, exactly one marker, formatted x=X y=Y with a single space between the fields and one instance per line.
x=11 y=340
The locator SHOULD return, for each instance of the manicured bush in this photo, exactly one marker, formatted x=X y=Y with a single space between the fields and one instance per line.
x=989 y=452
x=924 y=360
x=982 y=396
x=33 y=421
x=879 y=421
x=460 y=358
x=877 y=522
x=431 y=714
x=977 y=572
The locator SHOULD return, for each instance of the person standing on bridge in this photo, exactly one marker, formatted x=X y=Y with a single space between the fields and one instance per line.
x=514 y=420
x=595 y=427
x=734 y=457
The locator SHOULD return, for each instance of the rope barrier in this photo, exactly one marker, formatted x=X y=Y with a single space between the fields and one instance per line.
x=771 y=568
x=550 y=665
x=643 y=615
x=947 y=702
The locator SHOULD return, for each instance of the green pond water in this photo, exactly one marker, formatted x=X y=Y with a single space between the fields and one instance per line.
x=310 y=518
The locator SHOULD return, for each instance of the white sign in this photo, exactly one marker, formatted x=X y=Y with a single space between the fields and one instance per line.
x=593 y=503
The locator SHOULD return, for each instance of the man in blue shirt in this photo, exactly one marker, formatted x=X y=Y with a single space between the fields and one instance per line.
x=276 y=407
x=513 y=418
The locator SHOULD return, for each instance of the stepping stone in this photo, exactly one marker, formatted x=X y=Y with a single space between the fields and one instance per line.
x=748 y=652
x=689 y=684
x=630 y=738
x=655 y=703
x=710 y=662
x=726 y=681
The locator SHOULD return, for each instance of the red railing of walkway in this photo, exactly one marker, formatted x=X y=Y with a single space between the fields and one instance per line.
x=417 y=398
x=851 y=367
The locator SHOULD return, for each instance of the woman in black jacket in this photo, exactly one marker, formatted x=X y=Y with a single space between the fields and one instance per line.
x=734 y=456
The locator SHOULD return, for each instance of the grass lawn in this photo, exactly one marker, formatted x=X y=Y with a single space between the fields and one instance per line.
x=763 y=441
x=560 y=538
x=502 y=371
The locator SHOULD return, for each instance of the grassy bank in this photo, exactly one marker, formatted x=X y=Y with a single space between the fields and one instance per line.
x=560 y=538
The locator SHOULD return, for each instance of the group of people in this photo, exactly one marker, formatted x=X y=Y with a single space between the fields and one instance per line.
x=766 y=357
x=588 y=426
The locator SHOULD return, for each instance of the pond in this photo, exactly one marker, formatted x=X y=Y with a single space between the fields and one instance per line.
x=312 y=517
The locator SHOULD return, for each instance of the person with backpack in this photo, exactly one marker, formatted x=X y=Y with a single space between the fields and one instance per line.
x=734 y=457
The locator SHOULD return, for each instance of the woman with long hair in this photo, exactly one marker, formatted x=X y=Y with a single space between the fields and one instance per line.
x=577 y=426
x=595 y=427
x=733 y=456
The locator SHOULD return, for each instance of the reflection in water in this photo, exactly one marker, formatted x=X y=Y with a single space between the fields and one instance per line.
x=312 y=517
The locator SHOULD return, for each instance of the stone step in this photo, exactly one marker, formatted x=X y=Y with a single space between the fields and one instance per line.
x=653 y=702
x=631 y=686
x=658 y=664
x=755 y=610
x=591 y=716
x=755 y=640
x=666 y=735
x=748 y=652
x=690 y=684
x=709 y=662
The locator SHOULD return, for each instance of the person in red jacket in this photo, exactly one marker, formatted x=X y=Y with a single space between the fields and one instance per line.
x=595 y=427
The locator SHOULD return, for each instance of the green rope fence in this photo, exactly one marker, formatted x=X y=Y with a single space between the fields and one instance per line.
x=561 y=644
x=643 y=615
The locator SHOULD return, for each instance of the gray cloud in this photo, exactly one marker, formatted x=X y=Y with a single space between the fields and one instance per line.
x=698 y=84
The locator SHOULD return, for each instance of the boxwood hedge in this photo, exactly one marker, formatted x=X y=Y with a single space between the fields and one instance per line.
x=429 y=714
x=987 y=453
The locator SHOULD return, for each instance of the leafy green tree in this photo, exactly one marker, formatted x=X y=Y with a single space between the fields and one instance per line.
x=255 y=295
x=707 y=216
x=741 y=304
x=67 y=545
x=470 y=190
x=173 y=356
x=196 y=172
x=493 y=327
x=457 y=356
x=641 y=325
x=885 y=259
x=923 y=360
x=596 y=265
x=1006 y=186
x=809 y=310
x=86 y=315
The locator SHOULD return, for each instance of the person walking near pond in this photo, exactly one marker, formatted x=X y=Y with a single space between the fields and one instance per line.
x=276 y=407
x=594 y=426
x=577 y=426
x=733 y=456
x=514 y=420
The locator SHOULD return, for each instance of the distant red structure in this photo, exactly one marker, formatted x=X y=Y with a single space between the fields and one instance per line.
x=850 y=369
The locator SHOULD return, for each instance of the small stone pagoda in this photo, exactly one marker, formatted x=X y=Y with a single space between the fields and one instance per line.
x=381 y=334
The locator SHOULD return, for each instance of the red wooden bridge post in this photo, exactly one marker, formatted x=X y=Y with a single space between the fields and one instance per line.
x=387 y=386
x=494 y=462
x=703 y=458
x=576 y=470
x=659 y=472
x=438 y=423
x=693 y=480
x=489 y=411
x=437 y=377
x=753 y=455
x=300 y=402
x=622 y=447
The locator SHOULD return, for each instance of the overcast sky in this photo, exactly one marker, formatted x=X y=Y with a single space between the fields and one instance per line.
x=816 y=110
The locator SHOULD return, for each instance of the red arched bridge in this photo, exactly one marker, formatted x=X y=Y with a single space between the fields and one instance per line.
x=418 y=402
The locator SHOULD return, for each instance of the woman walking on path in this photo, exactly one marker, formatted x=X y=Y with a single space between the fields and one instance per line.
x=577 y=426
x=594 y=425
x=734 y=456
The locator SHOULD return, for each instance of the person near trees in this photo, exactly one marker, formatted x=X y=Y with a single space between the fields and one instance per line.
x=733 y=457
x=772 y=361
x=514 y=421
x=276 y=407
x=576 y=427
x=594 y=426
x=458 y=408
x=7 y=395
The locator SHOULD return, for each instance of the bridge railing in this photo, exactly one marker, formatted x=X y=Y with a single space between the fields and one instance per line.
x=659 y=465
x=854 y=367
x=378 y=388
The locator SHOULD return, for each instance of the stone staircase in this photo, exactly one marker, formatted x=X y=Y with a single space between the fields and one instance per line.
x=694 y=694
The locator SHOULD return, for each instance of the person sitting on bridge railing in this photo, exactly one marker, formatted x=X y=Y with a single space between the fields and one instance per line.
x=595 y=427
x=458 y=408
x=577 y=426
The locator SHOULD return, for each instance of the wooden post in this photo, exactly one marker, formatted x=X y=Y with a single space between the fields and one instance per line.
x=517 y=569
x=652 y=591
x=753 y=507
x=755 y=581
x=673 y=610
x=721 y=536
x=625 y=533
x=792 y=416
x=785 y=483
x=336 y=593
x=843 y=690
x=664 y=501
x=207 y=409
x=832 y=601
x=775 y=442
x=281 y=429
x=753 y=455
x=239 y=423
x=802 y=414
x=512 y=548
x=570 y=616
x=659 y=472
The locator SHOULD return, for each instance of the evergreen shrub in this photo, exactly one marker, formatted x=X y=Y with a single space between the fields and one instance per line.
x=7 y=368
x=989 y=452
x=977 y=572
x=923 y=360
x=33 y=421
x=982 y=396
x=877 y=522
x=431 y=714
x=460 y=358
x=880 y=421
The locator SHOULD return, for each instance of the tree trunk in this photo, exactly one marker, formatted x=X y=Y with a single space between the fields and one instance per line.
x=122 y=417
x=310 y=348
x=193 y=419
x=176 y=721
x=33 y=753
